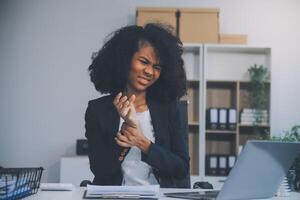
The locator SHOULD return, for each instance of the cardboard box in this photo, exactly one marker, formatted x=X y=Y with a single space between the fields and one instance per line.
x=232 y=39
x=199 y=25
x=165 y=16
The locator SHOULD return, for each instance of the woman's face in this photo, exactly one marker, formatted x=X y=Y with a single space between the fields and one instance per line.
x=145 y=69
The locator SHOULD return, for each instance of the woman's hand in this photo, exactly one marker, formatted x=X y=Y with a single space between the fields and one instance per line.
x=132 y=136
x=126 y=109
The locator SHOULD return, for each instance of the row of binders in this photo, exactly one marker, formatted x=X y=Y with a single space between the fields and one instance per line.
x=221 y=118
x=219 y=165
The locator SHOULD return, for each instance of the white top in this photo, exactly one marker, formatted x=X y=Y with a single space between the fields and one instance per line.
x=135 y=171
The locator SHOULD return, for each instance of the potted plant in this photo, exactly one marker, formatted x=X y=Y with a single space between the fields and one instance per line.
x=258 y=77
x=292 y=135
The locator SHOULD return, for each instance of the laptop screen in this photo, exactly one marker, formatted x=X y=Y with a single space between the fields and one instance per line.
x=257 y=173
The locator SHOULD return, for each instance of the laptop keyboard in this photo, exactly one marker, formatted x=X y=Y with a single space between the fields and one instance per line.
x=202 y=195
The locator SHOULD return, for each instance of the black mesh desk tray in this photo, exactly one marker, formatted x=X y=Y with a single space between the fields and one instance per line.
x=17 y=183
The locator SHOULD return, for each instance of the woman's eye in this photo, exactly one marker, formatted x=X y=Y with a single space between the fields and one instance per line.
x=144 y=62
x=157 y=67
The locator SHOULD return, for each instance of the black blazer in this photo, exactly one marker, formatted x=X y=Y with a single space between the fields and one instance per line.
x=168 y=156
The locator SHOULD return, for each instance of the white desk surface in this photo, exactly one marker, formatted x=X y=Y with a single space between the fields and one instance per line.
x=78 y=194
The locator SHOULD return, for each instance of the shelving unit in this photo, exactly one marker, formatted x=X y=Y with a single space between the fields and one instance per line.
x=218 y=77
x=193 y=57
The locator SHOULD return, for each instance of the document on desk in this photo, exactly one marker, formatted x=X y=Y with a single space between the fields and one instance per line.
x=121 y=192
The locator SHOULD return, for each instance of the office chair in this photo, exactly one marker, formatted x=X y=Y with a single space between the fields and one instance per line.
x=84 y=183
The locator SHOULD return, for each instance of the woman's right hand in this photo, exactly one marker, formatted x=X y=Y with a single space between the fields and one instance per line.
x=126 y=109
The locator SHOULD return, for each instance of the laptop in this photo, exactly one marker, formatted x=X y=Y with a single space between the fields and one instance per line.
x=257 y=173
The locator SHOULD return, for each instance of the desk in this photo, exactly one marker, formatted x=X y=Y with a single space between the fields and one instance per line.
x=78 y=193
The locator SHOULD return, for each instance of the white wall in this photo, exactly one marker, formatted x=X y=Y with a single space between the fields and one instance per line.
x=45 y=49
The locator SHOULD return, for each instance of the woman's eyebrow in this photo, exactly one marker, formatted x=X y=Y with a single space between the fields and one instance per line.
x=143 y=57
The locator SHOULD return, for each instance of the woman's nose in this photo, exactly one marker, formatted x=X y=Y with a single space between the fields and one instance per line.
x=149 y=71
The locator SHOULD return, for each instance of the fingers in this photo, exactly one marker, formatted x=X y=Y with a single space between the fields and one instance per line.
x=122 y=101
x=128 y=127
x=117 y=98
x=119 y=101
x=132 y=99
x=122 y=140
x=126 y=109
x=122 y=144
x=124 y=104
x=133 y=135
x=126 y=138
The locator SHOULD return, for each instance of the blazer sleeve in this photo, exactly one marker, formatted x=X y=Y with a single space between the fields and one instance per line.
x=174 y=161
x=101 y=163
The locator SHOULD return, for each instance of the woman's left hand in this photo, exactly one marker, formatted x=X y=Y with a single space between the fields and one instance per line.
x=126 y=109
x=132 y=136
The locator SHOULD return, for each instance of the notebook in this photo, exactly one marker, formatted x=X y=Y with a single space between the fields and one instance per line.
x=257 y=174
x=149 y=192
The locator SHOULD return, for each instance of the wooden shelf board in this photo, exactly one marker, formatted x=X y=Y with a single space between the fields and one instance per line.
x=193 y=123
x=193 y=80
x=251 y=126
x=221 y=131
x=248 y=81
x=220 y=81
x=229 y=48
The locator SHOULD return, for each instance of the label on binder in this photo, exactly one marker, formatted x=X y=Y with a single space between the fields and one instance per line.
x=222 y=165
x=212 y=118
x=232 y=119
x=223 y=118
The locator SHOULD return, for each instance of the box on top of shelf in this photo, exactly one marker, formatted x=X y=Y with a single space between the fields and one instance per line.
x=190 y=24
x=157 y=15
x=199 y=25
x=232 y=39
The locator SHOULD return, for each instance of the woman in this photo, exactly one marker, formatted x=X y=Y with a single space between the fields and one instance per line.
x=137 y=134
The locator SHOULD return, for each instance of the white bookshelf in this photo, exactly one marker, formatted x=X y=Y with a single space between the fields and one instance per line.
x=218 y=75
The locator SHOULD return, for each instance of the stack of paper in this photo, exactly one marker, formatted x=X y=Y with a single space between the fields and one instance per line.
x=248 y=116
x=122 y=192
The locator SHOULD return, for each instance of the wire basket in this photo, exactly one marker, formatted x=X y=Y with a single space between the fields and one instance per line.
x=17 y=183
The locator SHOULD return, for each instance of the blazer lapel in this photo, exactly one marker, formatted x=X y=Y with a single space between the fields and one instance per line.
x=159 y=117
x=112 y=119
x=113 y=122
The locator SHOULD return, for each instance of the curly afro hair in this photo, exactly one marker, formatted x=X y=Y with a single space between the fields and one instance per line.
x=111 y=65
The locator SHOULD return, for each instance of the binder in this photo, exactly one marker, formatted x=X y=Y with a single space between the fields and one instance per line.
x=223 y=169
x=211 y=165
x=231 y=161
x=212 y=118
x=232 y=119
x=222 y=118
